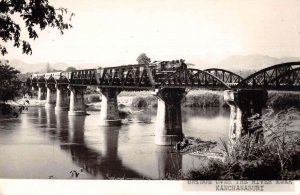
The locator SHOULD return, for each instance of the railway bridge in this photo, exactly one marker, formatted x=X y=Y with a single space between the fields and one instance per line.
x=246 y=96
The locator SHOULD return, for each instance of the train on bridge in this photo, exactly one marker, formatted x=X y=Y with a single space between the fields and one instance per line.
x=160 y=66
x=129 y=74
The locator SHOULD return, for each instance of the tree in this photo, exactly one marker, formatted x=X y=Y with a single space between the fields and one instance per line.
x=8 y=82
x=71 y=68
x=9 y=86
x=36 y=14
x=143 y=59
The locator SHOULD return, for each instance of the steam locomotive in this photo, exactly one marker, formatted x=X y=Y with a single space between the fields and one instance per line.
x=169 y=66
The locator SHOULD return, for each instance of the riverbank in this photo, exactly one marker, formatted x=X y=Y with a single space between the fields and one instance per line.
x=276 y=157
x=194 y=98
x=207 y=98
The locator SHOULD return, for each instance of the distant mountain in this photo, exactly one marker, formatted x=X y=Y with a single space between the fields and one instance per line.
x=236 y=63
x=252 y=62
x=24 y=67
x=198 y=64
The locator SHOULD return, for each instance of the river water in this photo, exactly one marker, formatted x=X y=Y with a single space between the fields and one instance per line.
x=43 y=143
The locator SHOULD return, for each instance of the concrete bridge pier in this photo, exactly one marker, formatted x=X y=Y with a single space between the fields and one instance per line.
x=168 y=122
x=62 y=102
x=245 y=106
x=51 y=96
x=41 y=91
x=77 y=106
x=109 y=114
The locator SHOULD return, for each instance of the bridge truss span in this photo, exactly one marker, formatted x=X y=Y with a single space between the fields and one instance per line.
x=126 y=77
x=265 y=78
x=193 y=79
x=288 y=81
x=228 y=77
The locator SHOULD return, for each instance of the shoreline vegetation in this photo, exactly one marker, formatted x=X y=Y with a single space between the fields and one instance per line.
x=198 y=98
x=276 y=158
x=194 y=98
x=208 y=98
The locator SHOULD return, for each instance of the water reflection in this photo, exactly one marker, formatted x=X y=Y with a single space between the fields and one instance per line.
x=75 y=142
x=169 y=164
x=145 y=116
x=76 y=128
x=204 y=113
x=50 y=118
x=41 y=115
x=62 y=126
x=105 y=164
x=102 y=160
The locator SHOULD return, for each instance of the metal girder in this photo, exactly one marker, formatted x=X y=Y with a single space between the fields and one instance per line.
x=289 y=81
x=82 y=77
x=262 y=78
x=126 y=77
x=192 y=78
x=228 y=77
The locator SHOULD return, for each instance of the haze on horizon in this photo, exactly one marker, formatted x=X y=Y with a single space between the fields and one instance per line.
x=116 y=32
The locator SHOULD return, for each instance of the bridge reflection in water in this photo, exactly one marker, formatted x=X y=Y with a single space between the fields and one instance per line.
x=99 y=156
x=42 y=143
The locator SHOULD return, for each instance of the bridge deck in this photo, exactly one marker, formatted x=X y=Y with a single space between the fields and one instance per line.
x=148 y=77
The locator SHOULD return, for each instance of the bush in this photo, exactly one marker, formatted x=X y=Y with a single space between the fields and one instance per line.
x=91 y=90
x=124 y=114
x=92 y=98
x=204 y=98
x=143 y=102
x=283 y=99
x=277 y=156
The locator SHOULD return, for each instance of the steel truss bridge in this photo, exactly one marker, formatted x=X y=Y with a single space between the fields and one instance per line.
x=285 y=76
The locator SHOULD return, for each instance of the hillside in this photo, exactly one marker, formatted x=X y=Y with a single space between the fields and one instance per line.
x=236 y=63
x=24 y=67
x=253 y=62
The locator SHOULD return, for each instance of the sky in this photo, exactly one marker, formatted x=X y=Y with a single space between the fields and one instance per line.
x=115 y=32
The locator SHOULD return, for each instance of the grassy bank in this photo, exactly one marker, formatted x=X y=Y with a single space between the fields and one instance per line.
x=92 y=98
x=200 y=98
x=282 y=99
x=276 y=157
x=206 y=98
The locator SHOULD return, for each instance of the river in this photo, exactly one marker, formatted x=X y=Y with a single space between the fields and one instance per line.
x=43 y=143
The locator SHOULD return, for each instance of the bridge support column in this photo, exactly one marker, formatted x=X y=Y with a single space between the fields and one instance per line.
x=168 y=122
x=62 y=102
x=51 y=96
x=41 y=91
x=109 y=114
x=77 y=106
x=244 y=104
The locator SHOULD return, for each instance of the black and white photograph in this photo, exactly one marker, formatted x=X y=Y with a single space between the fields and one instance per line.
x=153 y=96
